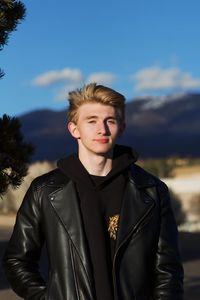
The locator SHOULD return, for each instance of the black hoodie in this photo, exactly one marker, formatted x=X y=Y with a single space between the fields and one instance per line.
x=100 y=203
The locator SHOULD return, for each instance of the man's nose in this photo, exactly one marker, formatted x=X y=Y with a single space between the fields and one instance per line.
x=103 y=128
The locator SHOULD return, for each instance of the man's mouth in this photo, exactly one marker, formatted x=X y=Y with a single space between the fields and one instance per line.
x=102 y=140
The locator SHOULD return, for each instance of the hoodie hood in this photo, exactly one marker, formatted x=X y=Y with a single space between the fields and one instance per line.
x=71 y=166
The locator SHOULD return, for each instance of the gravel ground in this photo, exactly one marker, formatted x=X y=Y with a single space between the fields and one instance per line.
x=8 y=295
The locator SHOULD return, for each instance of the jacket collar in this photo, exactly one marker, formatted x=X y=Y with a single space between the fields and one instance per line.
x=136 y=207
x=138 y=202
x=140 y=177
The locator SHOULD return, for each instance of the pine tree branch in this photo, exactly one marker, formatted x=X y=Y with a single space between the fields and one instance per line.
x=14 y=153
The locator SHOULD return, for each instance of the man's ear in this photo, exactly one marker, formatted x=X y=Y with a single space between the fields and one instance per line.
x=72 y=127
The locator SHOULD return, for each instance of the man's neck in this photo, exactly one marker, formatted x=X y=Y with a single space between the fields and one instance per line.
x=98 y=165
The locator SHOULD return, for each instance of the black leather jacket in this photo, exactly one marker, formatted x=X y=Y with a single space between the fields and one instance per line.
x=146 y=263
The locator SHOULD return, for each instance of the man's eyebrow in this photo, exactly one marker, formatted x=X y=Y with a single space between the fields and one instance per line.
x=111 y=117
x=91 y=117
x=96 y=117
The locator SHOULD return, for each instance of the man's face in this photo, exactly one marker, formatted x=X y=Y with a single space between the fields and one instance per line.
x=97 y=128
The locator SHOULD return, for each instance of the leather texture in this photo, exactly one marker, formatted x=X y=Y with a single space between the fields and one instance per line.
x=146 y=264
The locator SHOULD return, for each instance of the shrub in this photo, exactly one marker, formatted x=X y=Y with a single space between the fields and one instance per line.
x=195 y=204
x=179 y=214
x=159 y=167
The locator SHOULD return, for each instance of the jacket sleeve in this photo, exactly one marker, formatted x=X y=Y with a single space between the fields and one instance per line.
x=168 y=269
x=22 y=255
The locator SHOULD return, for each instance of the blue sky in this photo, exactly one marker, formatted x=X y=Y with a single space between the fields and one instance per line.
x=136 y=47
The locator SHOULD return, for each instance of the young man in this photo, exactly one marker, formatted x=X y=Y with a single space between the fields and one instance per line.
x=108 y=226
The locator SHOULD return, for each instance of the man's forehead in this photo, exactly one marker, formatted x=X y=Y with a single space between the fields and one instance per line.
x=96 y=109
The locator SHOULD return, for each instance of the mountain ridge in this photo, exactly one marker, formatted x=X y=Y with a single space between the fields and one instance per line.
x=171 y=128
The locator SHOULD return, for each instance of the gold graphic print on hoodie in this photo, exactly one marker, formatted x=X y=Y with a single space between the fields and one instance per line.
x=113 y=226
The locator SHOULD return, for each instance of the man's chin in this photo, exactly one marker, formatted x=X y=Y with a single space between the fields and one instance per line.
x=106 y=152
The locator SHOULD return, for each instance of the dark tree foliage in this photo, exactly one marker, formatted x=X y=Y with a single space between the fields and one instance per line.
x=11 y=13
x=14 y=153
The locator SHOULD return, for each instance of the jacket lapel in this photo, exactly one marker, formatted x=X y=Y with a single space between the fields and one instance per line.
x=65 y=203
x=139 y=200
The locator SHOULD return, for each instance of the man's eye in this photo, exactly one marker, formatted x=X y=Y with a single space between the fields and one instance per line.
x=91 y=121
x=111 y=121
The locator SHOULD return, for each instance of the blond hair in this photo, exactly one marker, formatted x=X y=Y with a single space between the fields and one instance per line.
x=93 y=93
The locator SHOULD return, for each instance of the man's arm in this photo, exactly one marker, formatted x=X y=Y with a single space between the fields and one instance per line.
x=21 y=258
x=168 y=268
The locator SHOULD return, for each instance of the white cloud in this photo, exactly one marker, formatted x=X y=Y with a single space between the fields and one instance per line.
x=54 y=76
x=155 y=78
x=72 y=79
x=101 y=78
